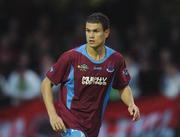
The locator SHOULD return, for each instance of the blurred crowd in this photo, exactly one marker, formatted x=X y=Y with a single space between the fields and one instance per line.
x=34 y=33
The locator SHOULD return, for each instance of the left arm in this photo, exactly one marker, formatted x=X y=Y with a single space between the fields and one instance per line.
x=127 y=98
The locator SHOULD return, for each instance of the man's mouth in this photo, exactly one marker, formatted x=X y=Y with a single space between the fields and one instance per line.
x=91 y=41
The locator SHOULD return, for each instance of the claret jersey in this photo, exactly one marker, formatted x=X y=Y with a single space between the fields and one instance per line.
x=86 y=85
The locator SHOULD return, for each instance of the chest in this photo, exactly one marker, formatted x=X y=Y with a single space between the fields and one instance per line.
x=89 y=73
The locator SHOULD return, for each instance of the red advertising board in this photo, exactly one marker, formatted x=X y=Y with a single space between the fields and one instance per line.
x=159 y=118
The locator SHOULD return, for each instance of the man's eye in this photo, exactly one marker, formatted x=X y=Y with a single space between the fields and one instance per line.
x=96 y=31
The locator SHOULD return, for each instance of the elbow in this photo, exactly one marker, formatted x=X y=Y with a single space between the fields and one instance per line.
x=125 y=91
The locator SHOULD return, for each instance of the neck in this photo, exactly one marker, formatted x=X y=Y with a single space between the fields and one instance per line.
x=96 y=53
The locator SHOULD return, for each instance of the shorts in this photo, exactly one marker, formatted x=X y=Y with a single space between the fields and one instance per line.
x=72 y=133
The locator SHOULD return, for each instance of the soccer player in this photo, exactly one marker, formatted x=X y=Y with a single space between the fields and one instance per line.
x=86 y=75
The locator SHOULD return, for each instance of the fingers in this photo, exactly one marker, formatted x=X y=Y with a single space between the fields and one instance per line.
x=134 y=111
x=53 y=127
x=131 y=112
x=136 y=114
x=62 y=125
x=58 y=127
x=57 y=124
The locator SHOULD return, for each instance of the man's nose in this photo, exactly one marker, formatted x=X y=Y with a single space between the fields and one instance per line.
x=91 y=34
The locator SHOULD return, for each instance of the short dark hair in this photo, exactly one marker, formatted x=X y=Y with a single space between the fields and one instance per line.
x=98 y=17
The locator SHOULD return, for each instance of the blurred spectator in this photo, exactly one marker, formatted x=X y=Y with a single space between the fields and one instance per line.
x=46 y=62
x=39 y=41
x=23 y=84
x=143 y=41
x=4 y=100
x=149 y=78
x=115 y=40
x=170 y=86
x=174 y=43
x=7 y=56
x=170 y=79
x=133 y=68
x=165 y=57
x=13 y=31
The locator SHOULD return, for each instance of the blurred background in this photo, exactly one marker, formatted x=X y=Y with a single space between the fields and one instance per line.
x=34 y=33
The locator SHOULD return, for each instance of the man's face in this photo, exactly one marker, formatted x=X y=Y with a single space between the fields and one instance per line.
x=95 y=35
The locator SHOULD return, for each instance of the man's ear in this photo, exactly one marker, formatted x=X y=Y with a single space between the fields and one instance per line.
x=107 y=32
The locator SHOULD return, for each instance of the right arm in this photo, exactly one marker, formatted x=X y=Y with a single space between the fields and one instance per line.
x=47 y=94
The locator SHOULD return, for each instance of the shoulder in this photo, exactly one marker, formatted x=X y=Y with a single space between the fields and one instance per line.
x=118 y=55
x=67 y=55
x=74 y=51
x=114 y=54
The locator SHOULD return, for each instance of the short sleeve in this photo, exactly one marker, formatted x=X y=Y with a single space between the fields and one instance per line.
x=58 y=72
x=122 y=76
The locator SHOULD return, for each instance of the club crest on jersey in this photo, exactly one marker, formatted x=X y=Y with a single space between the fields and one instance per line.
x=82 y=67
x=125 y=72
x=110 y=69
x=51 y=69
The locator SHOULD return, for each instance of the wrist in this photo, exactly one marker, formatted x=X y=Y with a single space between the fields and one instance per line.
x=131 y=104
x=52 y=113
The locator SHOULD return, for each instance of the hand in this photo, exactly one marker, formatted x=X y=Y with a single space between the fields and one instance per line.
x=134 y=111
x=57 y=123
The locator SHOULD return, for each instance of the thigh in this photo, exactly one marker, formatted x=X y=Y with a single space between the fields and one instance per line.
x=73 y=133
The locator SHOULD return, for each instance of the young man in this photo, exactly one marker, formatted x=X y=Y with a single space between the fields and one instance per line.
x=86 y=75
